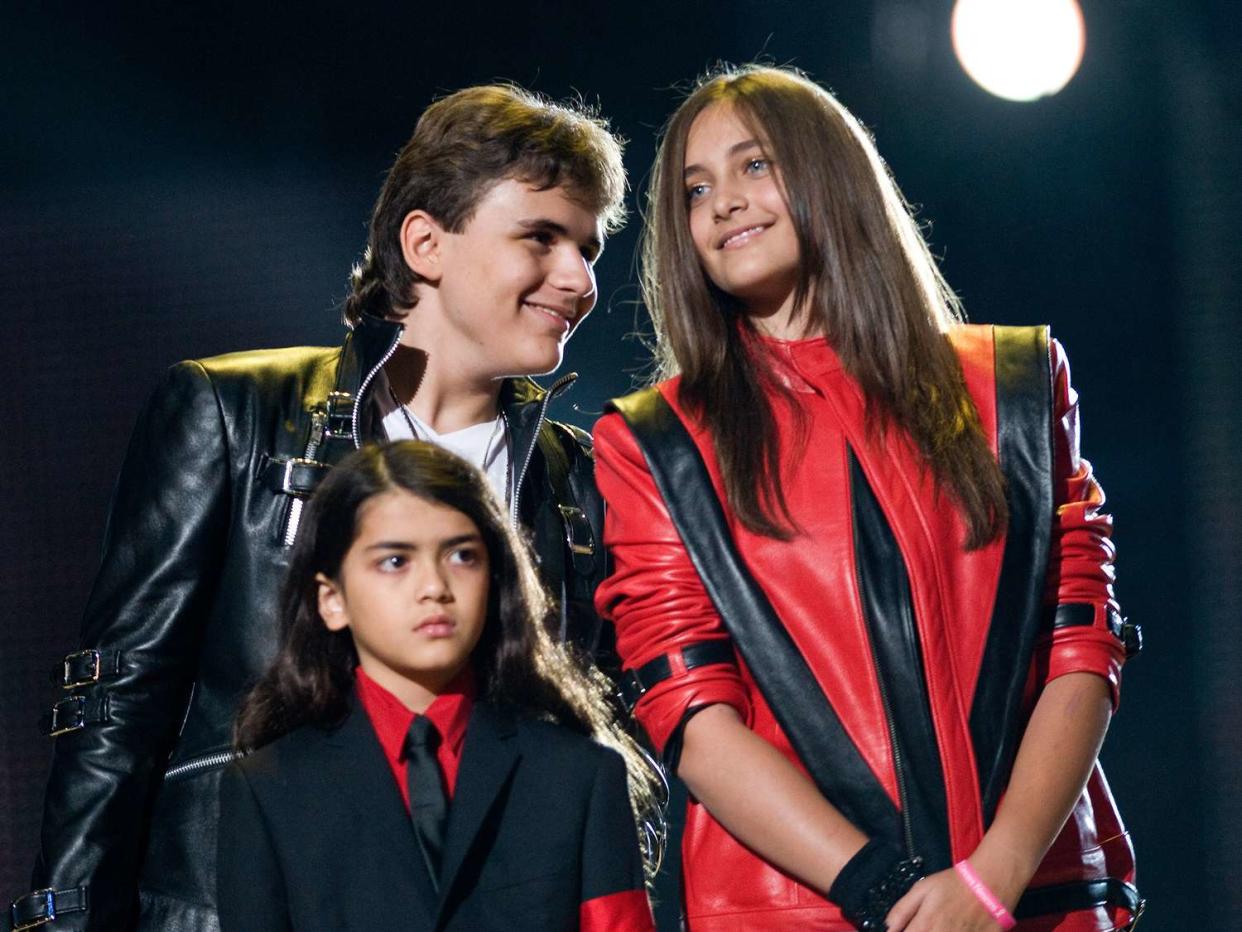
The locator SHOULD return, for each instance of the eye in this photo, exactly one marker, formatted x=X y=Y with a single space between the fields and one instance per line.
x=757 y=166
x=464 y=556
x=392 y=563
x=542 y=237
x=694 y=192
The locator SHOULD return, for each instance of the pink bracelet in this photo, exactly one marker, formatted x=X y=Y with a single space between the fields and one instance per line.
x=985 y=896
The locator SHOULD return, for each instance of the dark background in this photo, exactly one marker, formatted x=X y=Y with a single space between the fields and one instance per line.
x=180 y=180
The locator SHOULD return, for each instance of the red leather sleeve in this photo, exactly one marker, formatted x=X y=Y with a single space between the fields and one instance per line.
x=1080 y=566
x=654 y=596
x=628 y=910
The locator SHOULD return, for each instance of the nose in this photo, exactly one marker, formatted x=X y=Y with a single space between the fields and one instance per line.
x=726 y=201
x=433 y=584
x=574 y=276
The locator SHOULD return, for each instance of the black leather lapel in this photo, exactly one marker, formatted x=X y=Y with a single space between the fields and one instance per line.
x=884 y=587
x=782 y=673
x=357 y=770
x=1024 y=425
x=487 y=760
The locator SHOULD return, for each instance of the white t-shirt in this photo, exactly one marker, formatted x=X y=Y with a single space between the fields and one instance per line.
x=483 y=445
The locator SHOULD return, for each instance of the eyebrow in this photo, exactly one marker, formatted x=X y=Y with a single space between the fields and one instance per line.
x=733 y=150
x=543 y=224
x=405 y=545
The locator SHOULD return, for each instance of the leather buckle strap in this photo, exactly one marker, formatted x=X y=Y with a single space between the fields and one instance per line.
x=339 y=411
x=74 y=713
x=1086 y=894
x=635 y=683
x=1073 y=615
x=578 y=537
x=40 y=907
x=294 y=476
x=84 y=667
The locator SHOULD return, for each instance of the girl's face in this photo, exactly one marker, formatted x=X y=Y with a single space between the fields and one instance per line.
x=739 y=221
x=413 y=592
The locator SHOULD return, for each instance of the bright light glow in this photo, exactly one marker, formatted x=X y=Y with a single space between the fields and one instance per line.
x=1019 y=49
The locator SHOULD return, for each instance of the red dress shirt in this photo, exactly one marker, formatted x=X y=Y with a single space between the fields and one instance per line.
x=450 y=713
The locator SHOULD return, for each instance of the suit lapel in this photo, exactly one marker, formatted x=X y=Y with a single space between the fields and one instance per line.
x=357 y=770
x=488 y=758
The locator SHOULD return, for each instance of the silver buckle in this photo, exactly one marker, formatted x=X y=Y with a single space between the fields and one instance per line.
x=572 y=518
x=339 y=415
x=49 y=910
x=286 y=480
x=77 y=708
x=68 y=683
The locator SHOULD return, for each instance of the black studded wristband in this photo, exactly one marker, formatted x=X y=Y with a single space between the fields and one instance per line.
x=872 y=881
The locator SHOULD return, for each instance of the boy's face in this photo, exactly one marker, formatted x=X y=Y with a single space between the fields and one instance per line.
x=515 y=282
x=412 y=591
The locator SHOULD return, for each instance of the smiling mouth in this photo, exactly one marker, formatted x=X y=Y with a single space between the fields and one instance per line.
x=553 y=316
x=741 y=237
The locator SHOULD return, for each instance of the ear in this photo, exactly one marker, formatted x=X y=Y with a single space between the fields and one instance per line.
x=421 y=243
x=331 y=604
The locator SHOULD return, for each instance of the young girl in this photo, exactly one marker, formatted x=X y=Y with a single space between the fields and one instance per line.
x=862 y=582
x=421 y=748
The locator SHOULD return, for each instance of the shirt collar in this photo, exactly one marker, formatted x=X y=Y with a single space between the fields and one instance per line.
x=449 y=712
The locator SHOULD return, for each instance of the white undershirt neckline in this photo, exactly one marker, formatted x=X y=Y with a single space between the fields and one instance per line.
x=484 y=445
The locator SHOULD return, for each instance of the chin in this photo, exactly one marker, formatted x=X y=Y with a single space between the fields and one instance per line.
x=537 y=362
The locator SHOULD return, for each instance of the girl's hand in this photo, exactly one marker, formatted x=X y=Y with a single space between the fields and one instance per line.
x=940 y=902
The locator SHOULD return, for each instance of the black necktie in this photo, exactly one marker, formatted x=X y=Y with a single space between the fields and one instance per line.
x=428 y=801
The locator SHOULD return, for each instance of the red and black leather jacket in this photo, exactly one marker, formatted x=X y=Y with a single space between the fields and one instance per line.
x=182 y=618
x=894 y=667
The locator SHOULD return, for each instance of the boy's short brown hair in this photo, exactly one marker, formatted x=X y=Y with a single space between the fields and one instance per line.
x=465 y=143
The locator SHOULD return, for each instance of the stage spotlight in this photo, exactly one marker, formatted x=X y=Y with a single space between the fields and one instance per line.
x=1019 y=49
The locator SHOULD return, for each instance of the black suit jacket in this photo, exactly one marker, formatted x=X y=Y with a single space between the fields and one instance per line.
x=314 y=834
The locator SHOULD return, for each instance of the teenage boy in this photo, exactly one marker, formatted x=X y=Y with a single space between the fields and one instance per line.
x=477 y=270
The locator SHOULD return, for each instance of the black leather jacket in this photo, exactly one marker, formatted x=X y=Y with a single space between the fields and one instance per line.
x=182 y=616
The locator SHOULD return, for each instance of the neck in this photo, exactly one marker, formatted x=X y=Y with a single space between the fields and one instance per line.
x=783 y=320
x=442 y=396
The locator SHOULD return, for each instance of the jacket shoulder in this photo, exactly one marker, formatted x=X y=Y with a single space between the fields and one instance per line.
x=276 y=762
x=560 y=749
x=267 y=365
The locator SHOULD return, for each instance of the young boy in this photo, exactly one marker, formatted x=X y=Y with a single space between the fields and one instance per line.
x=477 y=270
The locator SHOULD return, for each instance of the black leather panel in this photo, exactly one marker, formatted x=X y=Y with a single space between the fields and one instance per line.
x=781 y=672
x=1074 y=615
x=1086 y=894
x=1024 y=419
x=884 y=587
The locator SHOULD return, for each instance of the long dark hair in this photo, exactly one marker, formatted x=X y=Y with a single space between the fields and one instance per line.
x=867 y=279
x=517 y=663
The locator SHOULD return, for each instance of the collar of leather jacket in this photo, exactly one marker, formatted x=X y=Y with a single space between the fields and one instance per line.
x=372 y=340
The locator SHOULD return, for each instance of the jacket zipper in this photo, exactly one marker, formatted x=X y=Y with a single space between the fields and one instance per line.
x=556 y=388
x=195 y=764
x=319 y=422
x=366 y=383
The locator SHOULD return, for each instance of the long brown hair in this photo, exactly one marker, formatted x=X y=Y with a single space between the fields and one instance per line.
x=867 y=280
x=517 y=663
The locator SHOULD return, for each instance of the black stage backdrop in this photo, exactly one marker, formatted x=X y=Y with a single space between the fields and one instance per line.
x=185 y=179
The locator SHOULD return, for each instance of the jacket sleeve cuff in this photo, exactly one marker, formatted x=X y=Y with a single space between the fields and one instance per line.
x=663 y=710
x=628 y=910
x=1086 y=649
